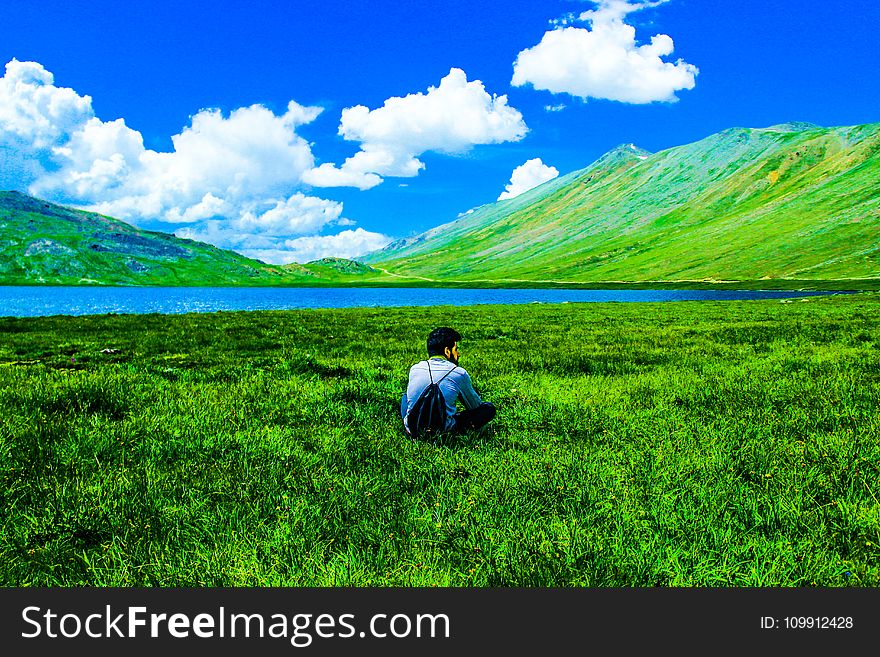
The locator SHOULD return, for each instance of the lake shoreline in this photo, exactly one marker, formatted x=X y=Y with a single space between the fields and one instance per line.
x=77 y=301
x=848 y=285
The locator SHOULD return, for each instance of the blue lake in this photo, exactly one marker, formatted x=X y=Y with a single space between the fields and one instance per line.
x=50 y=300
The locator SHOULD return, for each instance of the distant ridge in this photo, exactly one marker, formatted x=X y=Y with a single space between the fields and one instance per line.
x=46 y=243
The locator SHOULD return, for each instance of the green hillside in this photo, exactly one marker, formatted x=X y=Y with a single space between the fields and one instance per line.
x=777 y=206
x=793 y=201
x=45 y=243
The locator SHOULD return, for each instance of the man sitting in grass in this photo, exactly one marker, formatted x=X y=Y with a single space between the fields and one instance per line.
x=454 y=382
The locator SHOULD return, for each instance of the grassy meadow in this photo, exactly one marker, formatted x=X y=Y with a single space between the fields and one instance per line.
x=664 y=444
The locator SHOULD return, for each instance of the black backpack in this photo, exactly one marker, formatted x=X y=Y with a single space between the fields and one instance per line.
x=428 y=415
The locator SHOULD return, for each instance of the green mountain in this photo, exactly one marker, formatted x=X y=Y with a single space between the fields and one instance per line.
x=793 y=201
x=339 y=266
x=45 y=243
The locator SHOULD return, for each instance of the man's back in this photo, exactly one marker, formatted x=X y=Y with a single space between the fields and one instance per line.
x=454 y=382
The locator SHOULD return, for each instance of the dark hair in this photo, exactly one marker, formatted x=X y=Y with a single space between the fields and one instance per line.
x=440 y=338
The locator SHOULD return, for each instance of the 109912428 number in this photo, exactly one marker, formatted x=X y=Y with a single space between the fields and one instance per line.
x=818 y=622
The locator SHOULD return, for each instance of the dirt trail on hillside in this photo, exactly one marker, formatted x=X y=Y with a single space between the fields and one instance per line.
x=421 y=278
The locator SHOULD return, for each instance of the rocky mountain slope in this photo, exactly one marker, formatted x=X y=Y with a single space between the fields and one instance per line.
x=45 y=243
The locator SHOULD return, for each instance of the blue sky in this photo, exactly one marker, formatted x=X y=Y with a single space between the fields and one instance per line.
x=178 y=116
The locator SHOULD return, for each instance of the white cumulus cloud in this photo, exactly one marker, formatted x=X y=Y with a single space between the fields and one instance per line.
x=298 y=215
x=347 y=244
x=35 y=116
x=526 y=176
x=605 y=62
x=282 y=251
x=329 y=175
x=233 y=180
x=282 y=234
x=238 y=161
x=450 y=118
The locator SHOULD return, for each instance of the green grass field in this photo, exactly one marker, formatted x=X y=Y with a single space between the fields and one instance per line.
x=667 y=444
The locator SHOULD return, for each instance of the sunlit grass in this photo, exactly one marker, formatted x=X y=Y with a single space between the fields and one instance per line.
x=676 y=444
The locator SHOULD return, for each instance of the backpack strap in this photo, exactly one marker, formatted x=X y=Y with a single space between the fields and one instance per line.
x=441 y=378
